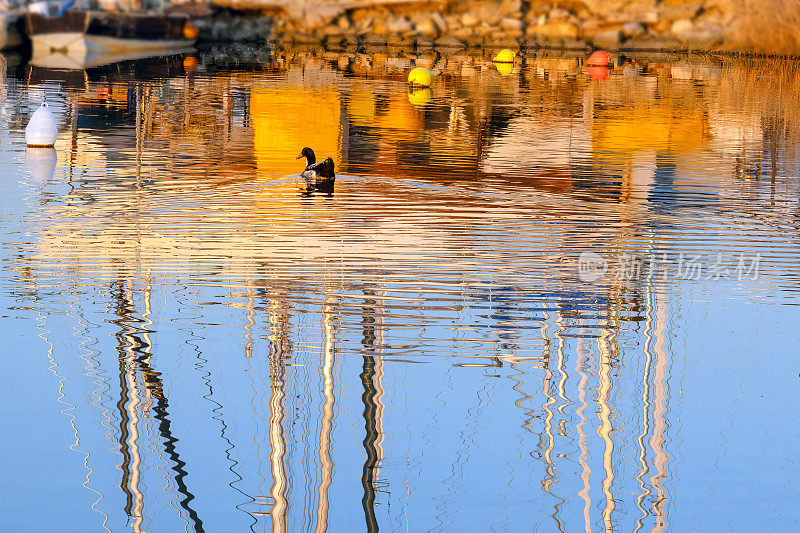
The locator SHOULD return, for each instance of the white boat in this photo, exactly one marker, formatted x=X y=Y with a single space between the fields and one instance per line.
x=95 y=32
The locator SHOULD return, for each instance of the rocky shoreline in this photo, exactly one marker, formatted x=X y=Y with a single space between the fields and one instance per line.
x=719 y=26
x=643 y=25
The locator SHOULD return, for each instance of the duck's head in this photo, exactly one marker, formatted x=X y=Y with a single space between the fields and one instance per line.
x=308 y=153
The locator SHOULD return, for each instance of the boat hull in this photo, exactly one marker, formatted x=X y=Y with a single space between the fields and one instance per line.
x=90 y=32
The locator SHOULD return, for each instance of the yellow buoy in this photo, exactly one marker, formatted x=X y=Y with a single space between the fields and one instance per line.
x=504 y=56
x=420 y=97
x=420 y=77
x=505 y=69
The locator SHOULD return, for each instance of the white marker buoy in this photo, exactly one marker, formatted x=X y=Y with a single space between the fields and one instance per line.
x=41 y=130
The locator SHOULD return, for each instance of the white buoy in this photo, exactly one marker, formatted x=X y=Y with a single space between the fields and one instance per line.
x=41 y=130
x=41 y=163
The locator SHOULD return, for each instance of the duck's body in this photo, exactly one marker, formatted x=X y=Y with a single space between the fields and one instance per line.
x=317 y=176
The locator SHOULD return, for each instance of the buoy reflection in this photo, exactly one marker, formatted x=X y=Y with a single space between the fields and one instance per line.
x=41 y=162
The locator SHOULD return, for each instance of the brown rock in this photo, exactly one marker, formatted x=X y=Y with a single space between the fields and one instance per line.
x=361 y=14
x=331 y=30
x=306 y=38
x=511 y=24
x=400 y=25
x=375 y=40
x=653 y=44
x=469 y=19
x=576 y=45
x=642 y=13
x=398 y=40
x=590 y=28
x=343 y=22
x=702 y=39
x=556 y=31
x=474 y=40
x=633 y=29
x=364 y=25
x=335 y=41
x=440 y=22
x=449 y=41
x=509 y=7
x=607 y=40
x=559 y=14
x=681 y=26
x=427 y=28
x=685 y=10
x=501 y=41
x=380 y=28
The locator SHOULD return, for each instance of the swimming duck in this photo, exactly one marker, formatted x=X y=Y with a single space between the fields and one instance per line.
x=319 y=176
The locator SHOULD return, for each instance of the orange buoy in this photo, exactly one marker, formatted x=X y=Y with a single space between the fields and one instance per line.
x=599 y=73
x=189 y=63
x=599 y=59
x=103 y=93
x=190 y=31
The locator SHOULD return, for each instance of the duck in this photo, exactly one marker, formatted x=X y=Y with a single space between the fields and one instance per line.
x=317 y=176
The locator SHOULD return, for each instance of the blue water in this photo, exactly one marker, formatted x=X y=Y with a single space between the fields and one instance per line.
x=193 y=343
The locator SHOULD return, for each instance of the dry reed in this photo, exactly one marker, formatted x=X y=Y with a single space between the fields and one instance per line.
x=769 y=27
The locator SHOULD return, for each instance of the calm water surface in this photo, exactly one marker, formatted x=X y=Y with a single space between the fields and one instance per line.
x=536 y=301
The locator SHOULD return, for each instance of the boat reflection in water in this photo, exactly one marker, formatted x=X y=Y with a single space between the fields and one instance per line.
x=421 y=342
x=87 y=59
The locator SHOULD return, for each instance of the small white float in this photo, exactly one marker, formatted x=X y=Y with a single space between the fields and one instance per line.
x=41 y=130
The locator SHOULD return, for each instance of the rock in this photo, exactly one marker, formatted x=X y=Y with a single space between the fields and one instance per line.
x=331 y=30
x=427 y=28
x=592 y=27
x=320 y=17
x=379 y=28
x=686 y=10
x=501 y=41
x=701 y=39
x=449 y=42
x=556 y=31
x=440 y=22
x=473 y=40
x=361 y=14
x=559 y=14
x=577 y=45
x=400 y=25
x=398 y=40
x=343 y=22
x=653 y=44
x=306 y=38
x=509 y=7
x=364 y=25
x=633 y=29
x=334 y=42
x=510 y=24
x=469 y=19
x=607 y=40
x=642 y=13
x=681 y=26
x=375 y=40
